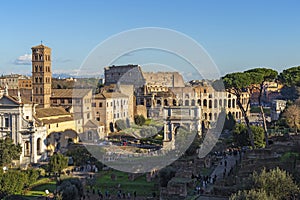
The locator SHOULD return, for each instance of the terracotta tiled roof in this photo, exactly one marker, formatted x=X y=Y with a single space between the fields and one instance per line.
x=92 y=123
x=50 y=112
x=106 y=95
x=69 y=93
x=58 y=120
x=25 y=94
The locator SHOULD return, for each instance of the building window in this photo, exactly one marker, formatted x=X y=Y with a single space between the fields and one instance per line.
x=27 y=149
x=62 y=101
x=56 y=125
x=38 y=146
x=215 y=103
x=6 y=122
x=88 y=115
x=90 y=135
x=98 y=119
x=210 y=104
x=100 y=105
x=229 y=103
x=93 y=104
x=69 y=101
x=205 y=103
x=55 y=101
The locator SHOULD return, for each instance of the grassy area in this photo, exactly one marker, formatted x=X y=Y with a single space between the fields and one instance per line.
x=206 y=171
x=289 y=156
x=39 y=189
x=256 y=109
x=140 y=185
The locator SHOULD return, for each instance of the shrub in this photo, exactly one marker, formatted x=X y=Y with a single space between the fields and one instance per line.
x=120 y=124
x=139 y=120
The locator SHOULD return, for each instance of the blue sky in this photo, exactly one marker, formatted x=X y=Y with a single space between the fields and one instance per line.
x=238 y=35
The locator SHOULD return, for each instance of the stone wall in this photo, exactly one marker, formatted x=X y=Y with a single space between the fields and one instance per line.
x=141 y=110
x=169 y=79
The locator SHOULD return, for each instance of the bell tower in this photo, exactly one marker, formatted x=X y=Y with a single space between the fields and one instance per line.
x=41 y=75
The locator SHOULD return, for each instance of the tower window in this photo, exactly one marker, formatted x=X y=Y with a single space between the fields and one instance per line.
x=41 y=68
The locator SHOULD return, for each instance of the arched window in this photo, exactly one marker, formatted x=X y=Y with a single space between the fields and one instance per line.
x=174 y=102
x=215 y=103
x=187 y=103
x=193 y=102
x=229 y=103
x=180 y=102
x=233 y=103
x=158 y=102
x=205 y=116
x=220 y=103
x=210 y=116
x=166 y=102
x=215 y=116
x=210 y=104
x=199 y=102
x=205 y=103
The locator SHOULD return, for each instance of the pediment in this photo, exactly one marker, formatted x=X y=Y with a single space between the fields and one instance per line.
x=8 y=101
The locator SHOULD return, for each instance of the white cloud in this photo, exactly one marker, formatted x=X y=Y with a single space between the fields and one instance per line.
x=23 y=60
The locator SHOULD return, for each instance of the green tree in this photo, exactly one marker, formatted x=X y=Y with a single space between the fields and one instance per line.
x=251 y=195
x=165 y=175
x=291 y=76
x=230 y=122
x=275 y=184
x=139 y=120
x=9 y=151
x=57 y=163
x=259 y=136
x=31 y=175
x=120 y=124
x=71 y=189
x=291 y=79
x=11 y=182
x=237 y=84
x=259 y=77
x=241 y=138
